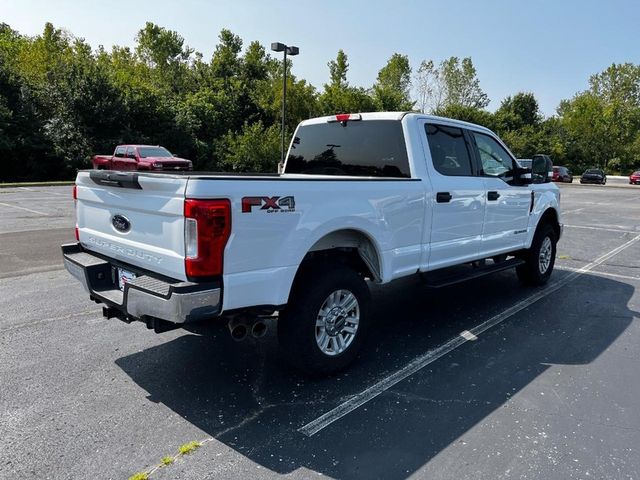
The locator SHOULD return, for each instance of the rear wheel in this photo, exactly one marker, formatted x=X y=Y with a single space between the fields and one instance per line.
x=323 y=326
x=540 y=258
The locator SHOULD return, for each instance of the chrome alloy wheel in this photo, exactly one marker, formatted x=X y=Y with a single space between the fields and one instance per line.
x=544 y=257
x=337 y=322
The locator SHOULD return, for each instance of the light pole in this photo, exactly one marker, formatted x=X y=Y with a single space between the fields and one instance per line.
x=281 y=47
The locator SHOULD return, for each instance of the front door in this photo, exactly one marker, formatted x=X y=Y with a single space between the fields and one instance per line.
x=508 y=204
x=457 y=198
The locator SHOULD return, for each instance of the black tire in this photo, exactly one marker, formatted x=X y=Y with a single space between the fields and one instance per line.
x=532 y=272
x=297 y=323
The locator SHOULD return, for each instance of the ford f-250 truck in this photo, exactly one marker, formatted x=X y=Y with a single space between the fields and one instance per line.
x=140 y=157
x=373 y=196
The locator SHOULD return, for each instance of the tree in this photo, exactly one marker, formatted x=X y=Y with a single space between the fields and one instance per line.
x=602 y=124
x=467 y=114
x=518 y=111
x=161 y=48
x=338 y=96
x=429 y=87
x=255 y=149
x=392 y=88
x=453 y=82
x=338 y=70
x=588 y=143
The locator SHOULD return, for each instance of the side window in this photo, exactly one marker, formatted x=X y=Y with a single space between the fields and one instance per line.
x=131 y=152
x=496 y=162
x=449 y=150
x=120 y=152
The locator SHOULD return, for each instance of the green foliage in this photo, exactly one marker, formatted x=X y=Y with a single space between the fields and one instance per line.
x=391 y=90
x=454 y=83
x=467 y=114
x=338 y=96
x=139 y=476
x=167 y=460
x=61 y=102
x=518 y=111
x=255 y=149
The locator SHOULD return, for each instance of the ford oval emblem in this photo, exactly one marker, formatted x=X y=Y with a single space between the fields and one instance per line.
x=121 y=223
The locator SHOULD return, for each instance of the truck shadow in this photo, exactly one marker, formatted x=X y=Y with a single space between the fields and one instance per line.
x=245 y=396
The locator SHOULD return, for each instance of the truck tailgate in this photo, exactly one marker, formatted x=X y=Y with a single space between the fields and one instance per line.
x=137 y=219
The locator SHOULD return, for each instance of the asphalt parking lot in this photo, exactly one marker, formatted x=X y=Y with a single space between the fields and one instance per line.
x=485 y=379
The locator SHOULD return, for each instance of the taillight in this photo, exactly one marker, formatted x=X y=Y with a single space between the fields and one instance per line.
x=75 y=204
x=206 y=231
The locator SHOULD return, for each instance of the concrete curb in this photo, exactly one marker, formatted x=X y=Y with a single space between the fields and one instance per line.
x=36 y=184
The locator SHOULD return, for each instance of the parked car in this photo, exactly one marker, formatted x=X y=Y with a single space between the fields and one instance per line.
x=351 y=206
x=141 y=157
x=562 y=174
x=634 y=178
x=594 y=175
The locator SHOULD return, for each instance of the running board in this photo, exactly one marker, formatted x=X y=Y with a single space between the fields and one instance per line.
x=443 y=280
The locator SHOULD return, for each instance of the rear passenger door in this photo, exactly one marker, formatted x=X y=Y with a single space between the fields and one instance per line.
x=457 y=197
x=507 y=203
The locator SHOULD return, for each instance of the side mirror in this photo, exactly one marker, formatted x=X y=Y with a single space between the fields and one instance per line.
x=523 y=175
x=541 y=170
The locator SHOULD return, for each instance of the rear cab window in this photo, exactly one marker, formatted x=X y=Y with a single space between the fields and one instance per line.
x=362 y=148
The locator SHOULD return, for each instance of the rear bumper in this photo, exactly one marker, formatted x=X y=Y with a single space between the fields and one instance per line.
x=146 y=296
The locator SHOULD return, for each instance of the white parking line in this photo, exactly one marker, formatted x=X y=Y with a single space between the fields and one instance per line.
x=573 y=211
x=431 y=356
x=604 y=229
x=47 y=192
x=606 y=274
x=23 y=208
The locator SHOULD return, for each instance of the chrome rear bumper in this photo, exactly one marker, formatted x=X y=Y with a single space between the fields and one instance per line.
x=145 y=296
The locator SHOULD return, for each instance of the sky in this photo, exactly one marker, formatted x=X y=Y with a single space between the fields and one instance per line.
x=546 y=47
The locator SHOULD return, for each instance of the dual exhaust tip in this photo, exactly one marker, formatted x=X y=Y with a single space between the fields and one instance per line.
x=240 y=328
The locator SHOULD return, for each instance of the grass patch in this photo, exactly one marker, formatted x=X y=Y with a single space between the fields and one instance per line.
x=167 y=460
x=189 y=447
x=139 y=476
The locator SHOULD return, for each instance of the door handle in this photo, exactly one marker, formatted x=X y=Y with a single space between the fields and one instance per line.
x=443 y=197
x=493 y=195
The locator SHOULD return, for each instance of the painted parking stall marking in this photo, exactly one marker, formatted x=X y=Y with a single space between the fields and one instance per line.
x=431 y=356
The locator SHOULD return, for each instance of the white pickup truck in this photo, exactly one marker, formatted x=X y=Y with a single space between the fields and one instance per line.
x=373 y=196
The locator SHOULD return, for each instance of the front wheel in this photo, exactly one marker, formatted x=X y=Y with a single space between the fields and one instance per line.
x=324 y=324
x=540 y=258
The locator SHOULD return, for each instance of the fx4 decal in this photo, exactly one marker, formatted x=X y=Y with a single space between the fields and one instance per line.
x=270 y=204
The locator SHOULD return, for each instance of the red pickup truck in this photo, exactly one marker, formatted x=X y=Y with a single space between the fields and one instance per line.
x=141 y=157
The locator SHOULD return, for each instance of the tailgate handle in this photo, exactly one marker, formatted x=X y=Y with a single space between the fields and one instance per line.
x=115 y=179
